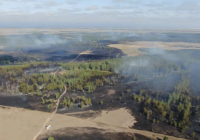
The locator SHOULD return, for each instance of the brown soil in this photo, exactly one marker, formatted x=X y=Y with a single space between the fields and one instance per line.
x=111 y=91
x=120 y=117
x=24 y=124
x=63 y=72
x=20 y=124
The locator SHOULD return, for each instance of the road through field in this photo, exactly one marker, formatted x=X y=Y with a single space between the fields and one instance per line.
x=49 y=118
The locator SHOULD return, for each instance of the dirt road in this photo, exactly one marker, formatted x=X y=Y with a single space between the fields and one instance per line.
x=84 y=52
x=54 y=73
x=53 y=113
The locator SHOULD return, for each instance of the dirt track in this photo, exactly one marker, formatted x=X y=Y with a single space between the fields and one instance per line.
x=48 y=119
x=84 y=52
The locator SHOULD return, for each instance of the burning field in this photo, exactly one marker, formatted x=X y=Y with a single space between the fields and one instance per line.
x=99 y=84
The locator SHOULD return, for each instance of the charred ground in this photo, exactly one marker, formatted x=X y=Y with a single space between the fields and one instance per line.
x=91 y=133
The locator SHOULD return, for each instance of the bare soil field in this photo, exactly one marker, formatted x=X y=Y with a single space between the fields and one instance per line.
x=20 y=124
x=111 y=91
x=132 y=48
x=120 y=117
x=29 y=122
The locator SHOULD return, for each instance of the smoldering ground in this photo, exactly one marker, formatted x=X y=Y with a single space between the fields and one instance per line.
x=155 y=63
x=159 y=65
x=43 y=41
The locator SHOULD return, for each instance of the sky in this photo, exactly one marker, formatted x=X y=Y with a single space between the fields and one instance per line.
x=100 y=13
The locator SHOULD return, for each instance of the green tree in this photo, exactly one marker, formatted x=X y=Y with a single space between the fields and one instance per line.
x=50 y=138
x=171 y=116
x=1 y=89
x=39 y=93
x=180 y=107
x=165 y=138
x=31 y=94
x=184 y=128
x=43 y=101
x=164 y=113
x=101 y=102
x=128 y=90
x=193 y=134
x=35 y=87
x=57 y=95
x=82 y=104
x=73 y=100
x=175 y=124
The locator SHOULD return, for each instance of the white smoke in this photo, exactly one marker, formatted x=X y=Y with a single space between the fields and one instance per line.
x=35 y=41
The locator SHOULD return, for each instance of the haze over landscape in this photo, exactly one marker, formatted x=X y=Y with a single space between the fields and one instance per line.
x=105 y=13
x=100 y=70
